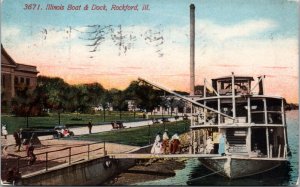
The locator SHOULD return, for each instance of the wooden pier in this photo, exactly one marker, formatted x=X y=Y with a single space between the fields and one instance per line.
x=149 y=156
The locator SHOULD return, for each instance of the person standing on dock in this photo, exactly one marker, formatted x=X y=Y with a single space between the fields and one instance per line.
x=156 y=148
x=4 y=131
x=221 y=150
x=30 y=154
x=13 y=176
x=17 y=139
x=209 y=146
x=165 y=143
x=174 y=145
x=90 y=127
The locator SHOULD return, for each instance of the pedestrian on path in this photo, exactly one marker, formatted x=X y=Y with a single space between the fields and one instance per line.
x=4 y=131
x=17 y=139
x=30 y=154
x=90 y=127
x=13 y=176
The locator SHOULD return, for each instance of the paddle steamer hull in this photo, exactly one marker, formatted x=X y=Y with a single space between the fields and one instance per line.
x=240 y=167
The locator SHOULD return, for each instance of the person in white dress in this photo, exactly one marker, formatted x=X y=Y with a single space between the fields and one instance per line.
x=209 y=145
x=4 y=131
x=156 y=148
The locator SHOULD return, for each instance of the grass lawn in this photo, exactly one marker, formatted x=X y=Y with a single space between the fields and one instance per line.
x=70 y=119
x=138 y=136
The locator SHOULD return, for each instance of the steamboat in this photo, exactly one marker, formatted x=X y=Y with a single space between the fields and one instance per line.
x=252 y=125
x=236 y=129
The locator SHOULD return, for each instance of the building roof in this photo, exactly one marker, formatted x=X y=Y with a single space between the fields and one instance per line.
x=12 y=62
x=7 y=56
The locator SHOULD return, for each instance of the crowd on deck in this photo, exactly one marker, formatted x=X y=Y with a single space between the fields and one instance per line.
x=165 y=145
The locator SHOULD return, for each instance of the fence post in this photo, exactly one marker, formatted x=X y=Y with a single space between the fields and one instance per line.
x=46 y=161
x=104 y=148
x=69 y=155
x=18 y=163
x=149 y=133
x=88 y=151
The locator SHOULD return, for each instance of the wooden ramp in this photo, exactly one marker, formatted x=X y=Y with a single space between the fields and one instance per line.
x=149 y=156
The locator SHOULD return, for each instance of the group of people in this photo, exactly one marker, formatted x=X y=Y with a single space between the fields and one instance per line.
x=209 y=147
x=166 y=146
x=29 y=145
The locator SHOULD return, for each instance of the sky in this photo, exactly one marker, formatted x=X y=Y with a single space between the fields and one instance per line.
x=251 y=38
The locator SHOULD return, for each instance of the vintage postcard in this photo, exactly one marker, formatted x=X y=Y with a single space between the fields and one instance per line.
x=145 y=92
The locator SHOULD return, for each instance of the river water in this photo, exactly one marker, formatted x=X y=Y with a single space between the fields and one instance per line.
x=196 y=174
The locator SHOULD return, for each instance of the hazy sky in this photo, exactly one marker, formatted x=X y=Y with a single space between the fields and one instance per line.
x=257 y=37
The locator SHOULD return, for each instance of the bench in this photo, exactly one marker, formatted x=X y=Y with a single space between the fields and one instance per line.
x=154 y=121
x=164 y=120
x=117 y=125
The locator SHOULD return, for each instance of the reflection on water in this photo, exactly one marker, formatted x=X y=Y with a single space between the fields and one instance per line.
x=194 y=172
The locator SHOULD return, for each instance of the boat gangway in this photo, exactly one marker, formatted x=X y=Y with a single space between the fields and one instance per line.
x=150 y=156
x=186 y=155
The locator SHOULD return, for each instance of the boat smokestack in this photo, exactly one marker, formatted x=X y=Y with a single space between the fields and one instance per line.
x=192 y=49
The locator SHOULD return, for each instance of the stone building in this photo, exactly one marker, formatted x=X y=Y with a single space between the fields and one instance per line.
x=15 y=76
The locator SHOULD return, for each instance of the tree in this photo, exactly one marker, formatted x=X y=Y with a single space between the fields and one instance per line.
x=95 y=91
x=144 y=95
x=56 y=93
x=118 y=101
x=52 y=93
x=131 y=94
x=83 y=99
x=105 y=99
x=26 y=103
x=165 y=103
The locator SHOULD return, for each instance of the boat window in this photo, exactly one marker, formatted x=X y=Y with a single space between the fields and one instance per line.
x=276 y=142
x=257 y=105
x=226 y=108
x=259 y=142
x=257 y=111
x=236 y=139
x=241 y=110
x=274 y=104
x=212 y=104
x=212 y=117
x=258 y=118
x=274 y=118
x=242 y=87
x=224 y=88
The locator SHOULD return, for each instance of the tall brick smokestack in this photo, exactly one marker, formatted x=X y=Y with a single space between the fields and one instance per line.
x=192 y=49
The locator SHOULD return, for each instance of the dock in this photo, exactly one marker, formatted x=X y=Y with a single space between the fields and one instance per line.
x=149 y=156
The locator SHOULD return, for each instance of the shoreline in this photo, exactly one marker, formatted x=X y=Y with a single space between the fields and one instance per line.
x=147 y=171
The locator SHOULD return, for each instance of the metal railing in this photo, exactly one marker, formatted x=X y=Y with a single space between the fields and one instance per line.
x=47 y=160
